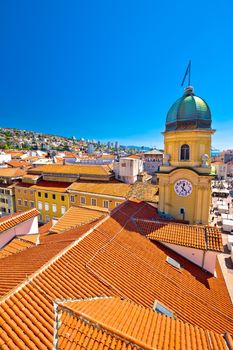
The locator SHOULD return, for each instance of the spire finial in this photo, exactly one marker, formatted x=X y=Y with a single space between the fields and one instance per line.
x=187 y=72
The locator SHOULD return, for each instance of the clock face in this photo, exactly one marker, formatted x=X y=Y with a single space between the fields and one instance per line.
x=183 y=188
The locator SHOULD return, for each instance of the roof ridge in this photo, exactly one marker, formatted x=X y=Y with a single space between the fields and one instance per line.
x=24 y=240
x=107 y=283
x=112 y=331
x=18 y=215
x=78 y=225
x=49 y=263
x=162 y=221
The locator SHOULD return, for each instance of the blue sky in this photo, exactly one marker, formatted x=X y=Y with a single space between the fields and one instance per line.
x=110 y=70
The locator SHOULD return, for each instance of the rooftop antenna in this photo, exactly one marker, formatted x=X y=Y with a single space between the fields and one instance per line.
x=187 y=72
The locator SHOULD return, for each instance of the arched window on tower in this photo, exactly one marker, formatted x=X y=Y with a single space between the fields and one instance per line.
x=184 y=152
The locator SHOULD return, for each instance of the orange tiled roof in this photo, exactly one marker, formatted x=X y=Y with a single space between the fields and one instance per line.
x=34 y=238
x=76 y=216
x=15 y=153
x=14 y=269
x=11 y=172
x=110 y=258
x=110 y=188
x=133 y=156
x=112 y=323
x=80 y=169
x=53 y=186
x=18 y=163
x=96 y=208
x=144 y=191
x=16 y=245
x=45 y=228
x=199 y=237
x=9 y=221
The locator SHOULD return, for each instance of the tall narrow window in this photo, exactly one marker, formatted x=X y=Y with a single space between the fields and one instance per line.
x=184 y=152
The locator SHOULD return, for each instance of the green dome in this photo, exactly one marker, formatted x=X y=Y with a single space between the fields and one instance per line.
x=189 y=112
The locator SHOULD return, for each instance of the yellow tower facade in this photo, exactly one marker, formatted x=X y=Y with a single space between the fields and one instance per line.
x=185 y=176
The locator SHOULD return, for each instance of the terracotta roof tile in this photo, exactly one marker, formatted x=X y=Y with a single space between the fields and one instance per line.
x=16 y=245
x=144 y=191
x=9 y=221
x=16 y=268
x=109 y=259
x=74 y=169
x=110 y=188
x=44 y=229
x=76 y=216
x=109 y=321
x=18 y=163
x=12 y=172
x=195 y=236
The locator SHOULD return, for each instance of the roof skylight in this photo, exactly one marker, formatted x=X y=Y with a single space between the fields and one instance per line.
x=173 y=262
x=161 y=309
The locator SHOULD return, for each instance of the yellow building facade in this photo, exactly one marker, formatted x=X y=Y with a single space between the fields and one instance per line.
x=24 y=197
x=185 y=176
x=102 y=195
x=51 y=199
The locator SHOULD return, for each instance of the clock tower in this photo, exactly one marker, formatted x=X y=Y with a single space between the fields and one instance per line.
x=185 y=176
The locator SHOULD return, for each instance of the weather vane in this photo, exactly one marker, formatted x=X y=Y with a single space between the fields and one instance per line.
x=187 y=72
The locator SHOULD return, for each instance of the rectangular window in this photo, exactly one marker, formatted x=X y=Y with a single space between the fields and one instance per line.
x=54 y=208
x=117 y=203
x=46 y=195
x=93 y=202
x=72 y=199
x=32 y=204
x=39 y=205
x=123 y=165
x=39 y=194
x=106 y=204
x=83 y=200
x=31 y=193
x=63 y=209
x=47 y=218
x=19 y=202
x=62 y=198
x=54 y=196
x=46 y=206
x=25 y=203
x=40 y=217
x=7 y=192
x=25 y=191
x=18 y=190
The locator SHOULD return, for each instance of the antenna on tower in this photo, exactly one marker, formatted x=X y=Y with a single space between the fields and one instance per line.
x=187 y=72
